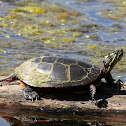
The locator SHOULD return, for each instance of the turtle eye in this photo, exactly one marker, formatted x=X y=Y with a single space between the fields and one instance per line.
x=104 y=62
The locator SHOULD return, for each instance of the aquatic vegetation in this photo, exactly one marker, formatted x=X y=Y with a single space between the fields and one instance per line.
x=30 y=9
x=2 y=51
x=77 y=34
x=118 y=13
x=42 y=22
x=52 y=30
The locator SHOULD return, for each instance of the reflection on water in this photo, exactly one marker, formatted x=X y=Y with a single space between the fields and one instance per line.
x=58 y=119
x=63 y=120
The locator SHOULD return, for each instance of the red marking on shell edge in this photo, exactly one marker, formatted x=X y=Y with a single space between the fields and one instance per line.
x=11 y=79
x=45 y=87
x=66 y=87
x=82 y=84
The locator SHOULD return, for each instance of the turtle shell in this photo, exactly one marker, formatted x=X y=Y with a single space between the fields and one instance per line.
x=56 y=72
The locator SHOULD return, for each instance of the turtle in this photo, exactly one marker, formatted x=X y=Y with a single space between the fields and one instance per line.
x=63 y=73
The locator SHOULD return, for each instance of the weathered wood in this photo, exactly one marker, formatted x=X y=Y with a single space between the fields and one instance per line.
x=11 y=97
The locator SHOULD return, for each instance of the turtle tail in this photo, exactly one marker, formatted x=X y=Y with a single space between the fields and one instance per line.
x=11 y=77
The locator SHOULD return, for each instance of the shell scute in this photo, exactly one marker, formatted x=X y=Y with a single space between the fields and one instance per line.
x=93 y=74
x=44 y=67
x=59 y=72
x=84 y=64
x=37 y=60
x=49 y=59
x=86 y=80
x=65 y=61
x=77 y=72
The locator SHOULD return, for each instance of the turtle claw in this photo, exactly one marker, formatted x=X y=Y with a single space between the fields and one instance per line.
x=29 y=94
x=101 y=103
x=118 y=84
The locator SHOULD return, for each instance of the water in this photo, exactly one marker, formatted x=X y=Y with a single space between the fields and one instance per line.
x=4 y=122
x=25 y=34
x=57 y=118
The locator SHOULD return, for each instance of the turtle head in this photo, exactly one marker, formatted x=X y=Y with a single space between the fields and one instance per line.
x=111 y=60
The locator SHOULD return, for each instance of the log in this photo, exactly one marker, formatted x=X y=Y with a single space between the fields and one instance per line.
x=11 y=97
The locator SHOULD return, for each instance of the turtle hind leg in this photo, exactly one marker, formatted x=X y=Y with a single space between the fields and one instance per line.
x=101 y=103
x=30 y=94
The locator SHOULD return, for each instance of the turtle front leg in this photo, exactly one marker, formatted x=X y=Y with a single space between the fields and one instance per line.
x=113 y=83
x=101 y=103
x=30 y=94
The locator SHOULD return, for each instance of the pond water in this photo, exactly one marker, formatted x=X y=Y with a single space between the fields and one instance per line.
x=80 y=29
x=71 y=28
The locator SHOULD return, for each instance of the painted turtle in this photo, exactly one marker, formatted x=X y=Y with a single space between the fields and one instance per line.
x=62 y=73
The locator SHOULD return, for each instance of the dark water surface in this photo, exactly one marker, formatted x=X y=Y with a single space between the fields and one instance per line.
x=59 y=117
x=72 y=28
